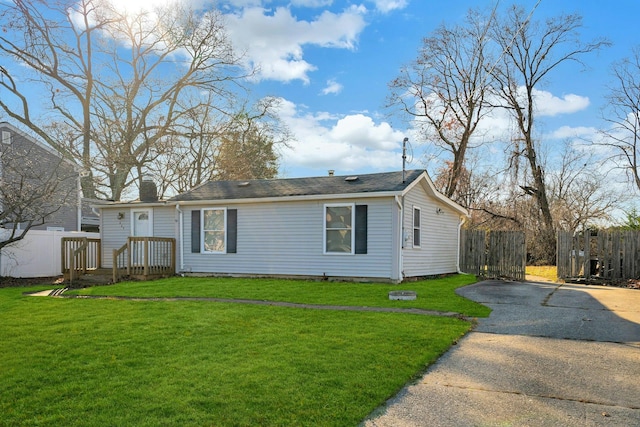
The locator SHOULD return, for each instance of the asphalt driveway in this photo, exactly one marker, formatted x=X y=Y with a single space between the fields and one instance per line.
x=549 y=355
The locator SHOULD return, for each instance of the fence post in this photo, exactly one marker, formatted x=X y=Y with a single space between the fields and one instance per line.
x=63 y=258
x=587 y=253
x=129 y=256
x=173 y=256
x=114 y=268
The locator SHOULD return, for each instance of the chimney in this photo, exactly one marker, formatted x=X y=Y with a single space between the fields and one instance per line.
x=148 y=190
x=331 y=172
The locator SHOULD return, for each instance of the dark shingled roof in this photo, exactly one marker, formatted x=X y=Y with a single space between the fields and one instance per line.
x=322 y=185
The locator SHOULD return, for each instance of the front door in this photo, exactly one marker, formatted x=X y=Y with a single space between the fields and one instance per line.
x=141 y=227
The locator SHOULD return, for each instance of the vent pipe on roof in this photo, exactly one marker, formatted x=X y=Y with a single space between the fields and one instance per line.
x=331 y=172
x=404 y=157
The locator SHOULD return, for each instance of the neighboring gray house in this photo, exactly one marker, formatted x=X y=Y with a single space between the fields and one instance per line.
x=371 y=227
x=28 y=165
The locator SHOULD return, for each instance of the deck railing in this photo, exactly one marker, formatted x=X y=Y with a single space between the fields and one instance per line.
x=145 y=257
x=140 y=257
x=80 y=255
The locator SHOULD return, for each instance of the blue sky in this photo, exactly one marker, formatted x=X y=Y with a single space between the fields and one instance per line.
x=331 y=61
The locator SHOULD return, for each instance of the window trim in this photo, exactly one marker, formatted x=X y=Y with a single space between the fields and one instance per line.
x=418 y=228
x=203 y=230
x=324 y=227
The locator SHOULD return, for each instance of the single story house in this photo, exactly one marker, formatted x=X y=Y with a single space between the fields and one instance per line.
x=381 y=226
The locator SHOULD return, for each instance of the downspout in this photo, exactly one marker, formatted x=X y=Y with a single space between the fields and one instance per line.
x=401 y=231
x=463 y=219
x=180 y=235
x=79 y=210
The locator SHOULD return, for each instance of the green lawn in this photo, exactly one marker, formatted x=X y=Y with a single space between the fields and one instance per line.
x=78 y=362
x=549 y=272
x=436 y=294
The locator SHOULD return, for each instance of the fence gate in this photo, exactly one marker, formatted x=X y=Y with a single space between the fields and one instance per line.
x=608 y=255
x=493 y=254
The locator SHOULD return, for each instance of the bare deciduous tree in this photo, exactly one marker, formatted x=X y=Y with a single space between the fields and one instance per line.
x=579 y=196
x=118 y=83
x=206 y=147
x=530 y=52
x=622 y=112
x=191 y=151
x=444 y=89
x=32 y=189
x=52 y=46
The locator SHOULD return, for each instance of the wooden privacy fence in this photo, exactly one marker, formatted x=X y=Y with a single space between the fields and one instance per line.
x=603 y=255
x=493 y=254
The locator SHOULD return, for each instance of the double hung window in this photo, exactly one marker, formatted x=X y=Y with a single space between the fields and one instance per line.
x=213 y=230
x=416 y=227
x=338 y=228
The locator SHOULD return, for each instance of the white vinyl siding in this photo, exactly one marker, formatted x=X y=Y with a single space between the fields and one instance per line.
x=287 y=238
x=439 y=236
x=115 y=227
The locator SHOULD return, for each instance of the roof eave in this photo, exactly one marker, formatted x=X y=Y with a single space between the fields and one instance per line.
x=430 y=188
x=377 y=194
x=131 y=204
x=312 y=197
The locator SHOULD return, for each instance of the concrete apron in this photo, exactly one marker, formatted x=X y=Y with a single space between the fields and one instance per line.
x=549 y=355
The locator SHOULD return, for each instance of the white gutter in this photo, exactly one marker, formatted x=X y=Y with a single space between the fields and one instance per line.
x=314 y=197
x=180 y=235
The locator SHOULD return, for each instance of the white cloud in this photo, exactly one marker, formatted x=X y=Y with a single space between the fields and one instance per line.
x=333 y=87
x=361 y=130
x=565 y=132
x=351 y=143
x=311 y=3
x=386 y=6
x=549 y=105
x=275 y=41
x=138 y=15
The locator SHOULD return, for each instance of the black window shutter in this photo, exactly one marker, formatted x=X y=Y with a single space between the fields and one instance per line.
x=361 y=229
x=232 y=231
x=195 y=231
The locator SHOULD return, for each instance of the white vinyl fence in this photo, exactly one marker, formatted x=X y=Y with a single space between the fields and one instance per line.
x=37 y=255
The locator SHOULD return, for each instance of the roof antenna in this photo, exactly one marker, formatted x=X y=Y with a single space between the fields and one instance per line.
x=404 y=156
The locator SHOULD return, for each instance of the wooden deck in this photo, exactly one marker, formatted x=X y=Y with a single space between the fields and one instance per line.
x=141 y=258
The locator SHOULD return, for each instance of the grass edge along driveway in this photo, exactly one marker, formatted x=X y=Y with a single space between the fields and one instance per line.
x=108 y=362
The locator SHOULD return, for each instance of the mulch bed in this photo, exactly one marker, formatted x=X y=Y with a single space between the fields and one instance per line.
x=629 y=284
x=8 y=282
